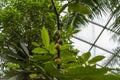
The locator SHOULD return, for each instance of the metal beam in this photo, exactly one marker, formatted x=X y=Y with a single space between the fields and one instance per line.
x=95 y=45
x=102 y=26
x=101 y=32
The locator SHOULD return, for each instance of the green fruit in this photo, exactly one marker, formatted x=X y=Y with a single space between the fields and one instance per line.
x=57 y=33
x=58 y=60
x=57 y=46
x=60 y=41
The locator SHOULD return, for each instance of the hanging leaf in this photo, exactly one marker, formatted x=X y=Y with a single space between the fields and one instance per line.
x=78 y=7
x=25 y=48
x=45 y=37
x=95 y=59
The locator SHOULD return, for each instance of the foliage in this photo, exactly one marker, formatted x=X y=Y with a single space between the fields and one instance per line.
x=28 y=41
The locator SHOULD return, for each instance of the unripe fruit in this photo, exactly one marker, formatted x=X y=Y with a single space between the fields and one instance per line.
x=57 y=33
x=60 y=41
x=58 y=60
x=57 y=46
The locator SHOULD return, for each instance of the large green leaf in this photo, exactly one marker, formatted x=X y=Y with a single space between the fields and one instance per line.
x=96 y=59
x=45 y=37
x=78 y=7
x=109 y=77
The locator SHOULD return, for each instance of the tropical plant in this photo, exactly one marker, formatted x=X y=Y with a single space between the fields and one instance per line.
x=35 y=40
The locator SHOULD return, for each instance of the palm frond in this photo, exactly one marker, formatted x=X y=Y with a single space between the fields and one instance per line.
x=113 y=61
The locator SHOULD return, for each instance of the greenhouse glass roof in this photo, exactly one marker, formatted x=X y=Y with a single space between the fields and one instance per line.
x=97 y=38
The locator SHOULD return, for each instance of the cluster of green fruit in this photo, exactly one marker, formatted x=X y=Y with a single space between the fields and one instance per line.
x=59 y=42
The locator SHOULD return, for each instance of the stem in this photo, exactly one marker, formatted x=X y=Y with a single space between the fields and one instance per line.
x=58 y=27
x=57 y=15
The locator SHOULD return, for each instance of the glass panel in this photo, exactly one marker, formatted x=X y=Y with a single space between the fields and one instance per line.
x=89 y=33
x=102 y=20
x=111 y=22
x=101 y=52
x=106 y=42
x=81 y=46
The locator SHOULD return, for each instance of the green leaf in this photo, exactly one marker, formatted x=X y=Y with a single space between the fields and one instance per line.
x=86 y=56
x=39 y=51
x=52 y=70
x=78 y=7
x=65 y=46
x=14 y=75
x=40 y=58
x=75 y=31
x=109 y=77
x=96 y=59
x=52 y=49
x=16 y=56
x=33 y=75
x=69 y=30
x=63 y=8
x=35 y=44
x=12 y=65
x=45 y=37
x=69 y=58
x=81 y=60
x=84 y=73
x=7 y=57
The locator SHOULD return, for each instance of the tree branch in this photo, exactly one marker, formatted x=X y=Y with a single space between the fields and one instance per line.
x=57 y=15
